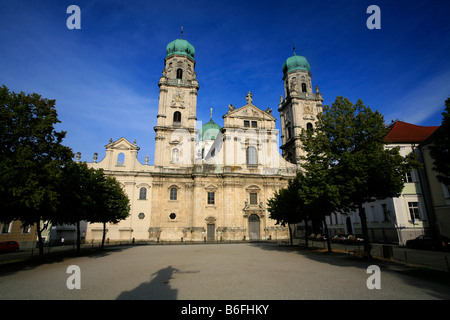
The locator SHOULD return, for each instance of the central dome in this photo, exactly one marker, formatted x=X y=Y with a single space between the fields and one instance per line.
x=210 y=130
x=180 y=46
x=295 y=63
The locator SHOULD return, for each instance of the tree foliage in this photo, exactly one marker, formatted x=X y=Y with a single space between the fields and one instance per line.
x=111 y=203
x=31 y=158
x=440 y=150
x=347 y=157
x=286 y=207
x=39 y=182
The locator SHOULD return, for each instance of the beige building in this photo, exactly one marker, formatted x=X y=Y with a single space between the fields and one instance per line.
x=210 y=182
x=439 y=193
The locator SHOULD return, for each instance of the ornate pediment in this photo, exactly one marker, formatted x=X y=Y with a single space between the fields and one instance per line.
x=249 y=111
x=122 y=144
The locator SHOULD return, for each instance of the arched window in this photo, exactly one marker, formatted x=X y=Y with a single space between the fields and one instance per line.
x=289 y=132
x=173 y=193
x=252 y=157
x=143 y=193
x=121 y=159
x=303 y=87
x=177 y=118
x=179 y=74
x=309 y=126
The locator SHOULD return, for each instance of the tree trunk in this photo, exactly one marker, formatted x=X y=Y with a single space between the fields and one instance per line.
x=39 y=234
x=290 y=235
x=104 y=235
x=78 y=237
x=365 y=231
x=306 y=233
x=327 y=235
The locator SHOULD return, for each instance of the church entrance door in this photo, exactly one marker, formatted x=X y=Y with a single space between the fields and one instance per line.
x=210 y=232
x=253 y=227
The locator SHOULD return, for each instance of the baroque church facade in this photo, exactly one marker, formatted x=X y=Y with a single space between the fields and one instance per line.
x=210 y=183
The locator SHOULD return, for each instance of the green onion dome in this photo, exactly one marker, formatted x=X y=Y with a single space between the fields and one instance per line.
x=180 y=46
x=295 y=63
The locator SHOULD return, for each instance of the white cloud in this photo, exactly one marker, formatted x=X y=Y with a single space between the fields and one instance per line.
x=423 y=101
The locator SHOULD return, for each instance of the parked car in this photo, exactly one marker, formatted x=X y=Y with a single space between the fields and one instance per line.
x=9 y=246
x=429 y=242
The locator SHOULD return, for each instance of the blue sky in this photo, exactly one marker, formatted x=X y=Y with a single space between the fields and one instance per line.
x=105 y=76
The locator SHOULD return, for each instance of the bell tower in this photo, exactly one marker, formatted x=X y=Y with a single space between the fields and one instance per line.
x=177 y=114
x=299 y=107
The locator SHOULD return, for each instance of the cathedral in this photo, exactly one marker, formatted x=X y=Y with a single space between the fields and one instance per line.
x=210 y=183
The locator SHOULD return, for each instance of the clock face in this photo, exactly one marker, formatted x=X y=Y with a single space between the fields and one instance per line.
x=177 y=100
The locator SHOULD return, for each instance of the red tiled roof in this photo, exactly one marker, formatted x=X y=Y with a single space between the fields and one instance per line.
x=406 y=132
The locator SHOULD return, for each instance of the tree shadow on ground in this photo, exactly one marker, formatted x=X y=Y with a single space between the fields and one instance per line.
x=435 y=282
x=158 y=288
x=13 y=266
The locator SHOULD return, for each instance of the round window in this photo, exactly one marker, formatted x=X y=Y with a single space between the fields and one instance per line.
x=172 y=216
x=141 y=215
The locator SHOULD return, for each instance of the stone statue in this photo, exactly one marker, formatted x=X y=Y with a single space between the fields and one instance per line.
x=175 y=156
x=249 y=98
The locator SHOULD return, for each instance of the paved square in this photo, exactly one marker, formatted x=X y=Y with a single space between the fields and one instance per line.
x=247 y=271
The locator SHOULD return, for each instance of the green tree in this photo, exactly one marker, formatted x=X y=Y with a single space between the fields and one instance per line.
x=111 y=203
x=349 y=141
x=286 y=207
x=76 y=200
x=31 y=158
x=440 y=149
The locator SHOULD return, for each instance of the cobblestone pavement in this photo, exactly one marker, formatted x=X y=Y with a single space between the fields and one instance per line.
x=246 y=271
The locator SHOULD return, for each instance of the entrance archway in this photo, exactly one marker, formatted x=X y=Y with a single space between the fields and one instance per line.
x=211 y=232
x=253 y=227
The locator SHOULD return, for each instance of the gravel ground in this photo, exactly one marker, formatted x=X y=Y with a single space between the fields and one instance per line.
x=246 y=271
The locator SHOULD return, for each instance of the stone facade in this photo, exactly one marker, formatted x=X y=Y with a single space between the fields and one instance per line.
x=201 y=190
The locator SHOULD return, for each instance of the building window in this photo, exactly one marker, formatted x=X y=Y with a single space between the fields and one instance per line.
x=303 y=87
x=289 y=133
x=179 y=74
x=414 y=210
x=385 y=212
x=254 y=124
x=6 y=227
x=143 y=193
x=309 y=126
x=408 y=177
x=211 y=197
x=176 y=118
x=172 y=216
x=246 y=124
x=26 y=228
x=252 y=158
x=121 y=159
x=253 y=198
x=374 y=213
x=141 y=215
x=173 y=194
